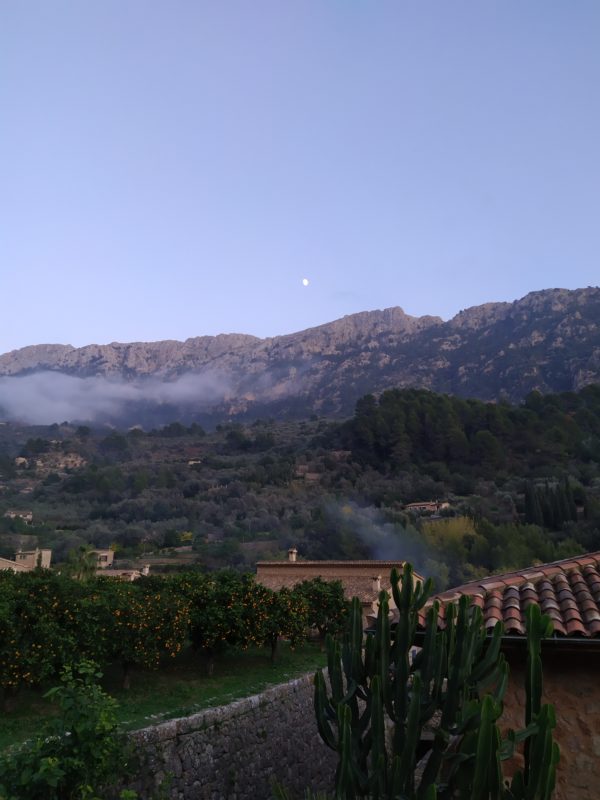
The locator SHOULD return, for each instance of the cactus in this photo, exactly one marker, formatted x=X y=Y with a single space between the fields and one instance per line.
x=536 y=781
x=382 y=695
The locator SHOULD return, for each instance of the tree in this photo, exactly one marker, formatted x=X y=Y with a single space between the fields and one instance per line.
x=327 y=607
x=146 y=624
x=82 y=563
x=286 y=617
x=36 y=638
x=223 y=611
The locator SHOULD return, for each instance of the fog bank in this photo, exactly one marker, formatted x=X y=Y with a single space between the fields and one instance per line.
x=43 y=398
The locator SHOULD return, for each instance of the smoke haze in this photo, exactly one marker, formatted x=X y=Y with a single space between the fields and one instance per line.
x=385 y=541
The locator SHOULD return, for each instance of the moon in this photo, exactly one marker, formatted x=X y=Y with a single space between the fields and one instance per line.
x=305 y=281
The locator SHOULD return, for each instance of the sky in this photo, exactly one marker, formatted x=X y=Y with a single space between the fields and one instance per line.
x=176 y=168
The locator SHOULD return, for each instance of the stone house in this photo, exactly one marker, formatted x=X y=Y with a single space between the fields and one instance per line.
x=127 y=575
x=362 y=579
x=26 y=560
x=6 y=563
x=569 y=592
x=427 y=506
x=26 y=516
x=104 y=558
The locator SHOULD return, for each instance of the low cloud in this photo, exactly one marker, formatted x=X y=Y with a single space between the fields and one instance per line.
x=43 y=398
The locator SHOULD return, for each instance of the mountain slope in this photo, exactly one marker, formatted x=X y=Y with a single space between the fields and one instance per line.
x=548 y=340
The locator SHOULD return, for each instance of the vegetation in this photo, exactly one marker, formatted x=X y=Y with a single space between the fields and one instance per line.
x=49 y=621
x=180 y=687
x=522 y=482
x=454 y=685
x=77 y=754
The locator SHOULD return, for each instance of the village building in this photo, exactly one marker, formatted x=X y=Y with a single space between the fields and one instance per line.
x=568 y=591
x=26 y=516
x=104 y=558
x=34 y=558
x=6 y=563
x=362 y=579
x=427 y=506
x=127 y=575
x=27 y=560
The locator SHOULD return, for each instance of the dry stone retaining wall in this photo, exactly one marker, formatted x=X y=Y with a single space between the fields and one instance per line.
x=235 y=752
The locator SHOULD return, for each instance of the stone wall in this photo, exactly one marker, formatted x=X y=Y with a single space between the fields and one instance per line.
x=236 y=751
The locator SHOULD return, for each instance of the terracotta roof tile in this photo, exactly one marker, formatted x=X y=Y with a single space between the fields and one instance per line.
x=575 y=626
x=512 y=626
x=568 y=591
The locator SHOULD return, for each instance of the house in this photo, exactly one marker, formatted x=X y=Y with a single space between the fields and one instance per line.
x=362 y=579
x=26 y=560
x=26 y=516
x=104 y=558
x=30 y=559
x=427 y=506
x=127 y=575
x=6 y=563
x=569 y=592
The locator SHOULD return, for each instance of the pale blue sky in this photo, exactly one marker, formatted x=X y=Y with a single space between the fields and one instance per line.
x=173 y=168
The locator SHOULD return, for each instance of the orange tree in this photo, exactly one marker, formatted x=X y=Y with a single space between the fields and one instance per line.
x=327 y=607
x=36 y=639
x=146 y=624
x=92 y=620
x=284 y=616
x=224 y=611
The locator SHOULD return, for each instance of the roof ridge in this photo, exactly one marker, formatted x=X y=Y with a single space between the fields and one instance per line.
x=527 y=573
x=567 y=590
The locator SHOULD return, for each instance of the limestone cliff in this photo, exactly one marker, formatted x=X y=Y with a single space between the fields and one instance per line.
x=548 y=340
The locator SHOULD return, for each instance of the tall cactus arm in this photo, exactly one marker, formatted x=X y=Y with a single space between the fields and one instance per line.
x=323 y=712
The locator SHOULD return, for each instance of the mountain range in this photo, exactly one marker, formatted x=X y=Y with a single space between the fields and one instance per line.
x=548 y=341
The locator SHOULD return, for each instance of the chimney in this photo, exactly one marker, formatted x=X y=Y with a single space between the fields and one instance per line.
x=377 y=584
x=292 y=553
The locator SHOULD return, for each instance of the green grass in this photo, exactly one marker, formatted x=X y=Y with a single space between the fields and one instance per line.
x=179 y=688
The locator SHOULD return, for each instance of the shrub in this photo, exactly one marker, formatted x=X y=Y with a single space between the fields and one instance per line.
x=78 y=754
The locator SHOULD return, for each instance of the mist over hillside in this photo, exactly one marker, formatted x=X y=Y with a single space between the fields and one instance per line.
x=547 y=341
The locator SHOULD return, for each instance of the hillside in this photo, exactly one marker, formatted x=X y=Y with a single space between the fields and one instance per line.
x=547 y=341
x=522 y=483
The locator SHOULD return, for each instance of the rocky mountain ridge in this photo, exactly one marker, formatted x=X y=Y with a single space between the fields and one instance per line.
x=548 y=340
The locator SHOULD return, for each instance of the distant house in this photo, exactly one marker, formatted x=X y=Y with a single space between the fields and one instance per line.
x=26 y=516
x=6 y=563
x=31 y=559
x=26 y=560
x=362 y=579
x=569 y=592
x=104 y=558
x=304 y=472
x=127 y=575
x=427 y=506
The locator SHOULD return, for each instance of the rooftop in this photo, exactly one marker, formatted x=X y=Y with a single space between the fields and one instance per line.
x=568 y=591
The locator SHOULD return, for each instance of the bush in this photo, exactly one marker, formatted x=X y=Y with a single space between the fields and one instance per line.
x=78 y=754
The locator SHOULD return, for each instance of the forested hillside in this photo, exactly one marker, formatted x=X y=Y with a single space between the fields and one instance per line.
x=521 y=482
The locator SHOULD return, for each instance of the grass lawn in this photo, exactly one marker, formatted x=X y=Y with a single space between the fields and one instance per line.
x=181 y=687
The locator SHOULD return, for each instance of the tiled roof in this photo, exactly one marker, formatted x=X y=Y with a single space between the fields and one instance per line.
x=568 y=591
